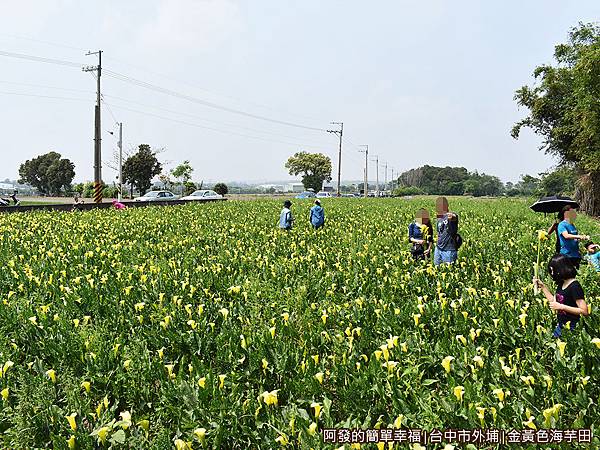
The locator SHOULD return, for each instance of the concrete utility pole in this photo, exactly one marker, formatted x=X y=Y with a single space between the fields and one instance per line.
x=366 y=152
x=97 y=135
x=376 y=175
x=385 y=182
x=392 y=180
x=120 y=161
x=339 y=132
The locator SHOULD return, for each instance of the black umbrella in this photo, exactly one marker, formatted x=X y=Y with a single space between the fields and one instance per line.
x=553 y=204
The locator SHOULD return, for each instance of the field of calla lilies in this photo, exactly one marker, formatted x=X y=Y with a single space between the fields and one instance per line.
x=205 y=326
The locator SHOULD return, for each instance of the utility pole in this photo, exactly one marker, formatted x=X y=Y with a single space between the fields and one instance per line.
x=392 y=180
x=366 y=152
x=339 y=132
x=377 y=175
x=385 y=182
x=97 y=135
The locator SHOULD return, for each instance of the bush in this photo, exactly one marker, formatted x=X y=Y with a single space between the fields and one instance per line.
x=189 y=187
x=221 y=188
x=403 y=191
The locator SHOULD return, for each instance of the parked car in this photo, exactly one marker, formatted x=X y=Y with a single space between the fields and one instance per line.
x=324 y=194
x=157 y=196
x=306 y=194
x=203 y=194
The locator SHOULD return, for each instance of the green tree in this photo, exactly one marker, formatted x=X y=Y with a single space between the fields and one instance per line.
x=314 y=167
x=184 y=172
x=558 y=182
x=189 y=187
x=141 y=167
x=48 y=173
x=479 y=185
x=221 y=188
x=564 y=109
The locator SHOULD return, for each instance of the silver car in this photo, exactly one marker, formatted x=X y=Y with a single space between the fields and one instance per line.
x=157 y=196
x=203 y=194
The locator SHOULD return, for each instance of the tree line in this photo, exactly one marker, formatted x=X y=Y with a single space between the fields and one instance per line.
x=432 y=180
x=51 y=174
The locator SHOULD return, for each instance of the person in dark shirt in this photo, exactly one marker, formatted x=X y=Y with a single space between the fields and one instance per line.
x=420 y=235
x=569 y=300
x=446 y=250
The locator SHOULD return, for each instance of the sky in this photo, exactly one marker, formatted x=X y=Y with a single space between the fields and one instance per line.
x=238 y=86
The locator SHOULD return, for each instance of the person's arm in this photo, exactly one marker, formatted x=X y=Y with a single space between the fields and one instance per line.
x=549 y=296
x=580 y=310
x=411 y=237
x=552 y=228
x=567 y=235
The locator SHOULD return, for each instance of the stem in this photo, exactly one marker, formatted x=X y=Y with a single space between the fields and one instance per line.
x=536 y=269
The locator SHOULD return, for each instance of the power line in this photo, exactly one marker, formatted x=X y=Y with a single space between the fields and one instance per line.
x=55 y=44
x=171 y=111
x=175 y=94
x=45 y=86
x=236 y=99
x=59 y=62
x=24 y=94
x=211 y=128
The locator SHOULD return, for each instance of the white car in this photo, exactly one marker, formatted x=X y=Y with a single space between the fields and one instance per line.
x=157 y=196
x=323 y=194
x=204 y=194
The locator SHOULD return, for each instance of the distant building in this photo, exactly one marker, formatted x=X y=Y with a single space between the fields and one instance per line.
x=328 y=186
x=271 y=187
x=294 y=187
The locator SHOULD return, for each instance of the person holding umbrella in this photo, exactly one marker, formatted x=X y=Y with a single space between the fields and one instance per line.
x=554 y=227
x=567 y=238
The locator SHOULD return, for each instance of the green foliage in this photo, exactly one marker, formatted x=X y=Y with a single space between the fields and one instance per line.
x=221 y=188
x=314 y=167
x=480 y=185
x=141 y=167
x=564 y=109
x=404 y=191
x=189 y=187
x=450 y=181
x=558 y=182
x=154 y=318
x=183 y=171
x=48 y=173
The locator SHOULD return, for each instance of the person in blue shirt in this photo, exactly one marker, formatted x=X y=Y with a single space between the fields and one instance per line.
x=286 y=219
x=569 y=238
x=593 y=255
x=420 y=235
x=317 y=215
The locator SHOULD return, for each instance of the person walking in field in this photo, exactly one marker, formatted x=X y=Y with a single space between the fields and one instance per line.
x=448 y=241
x=569 y=300
x=286 y=219
x=569 y=238
x=317 y=215
x=420 y=235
